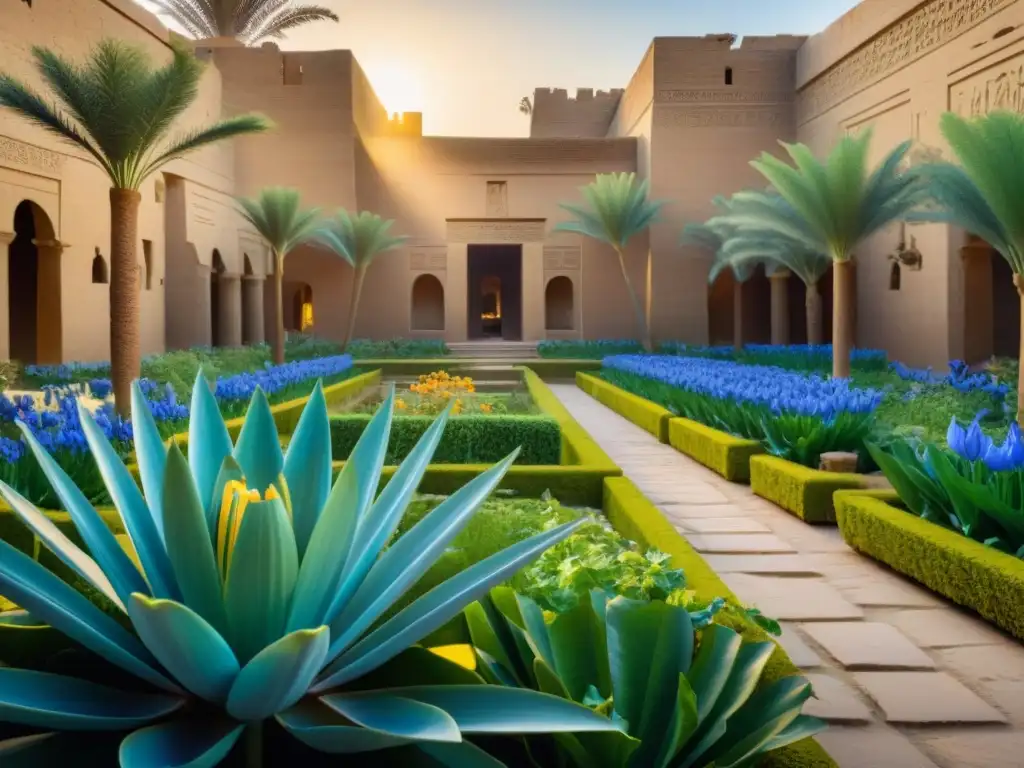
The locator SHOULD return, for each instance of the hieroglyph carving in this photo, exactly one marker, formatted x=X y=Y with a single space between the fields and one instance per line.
x=497 y=199
x=433 y=258
x=999 y=88
x=711 y=117
x=495 y=232
x=929 y=27
x=722 y=96
x=33 y=157
x=561 y=258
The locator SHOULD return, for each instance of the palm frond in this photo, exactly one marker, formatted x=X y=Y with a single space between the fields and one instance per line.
x=277 y=215
x=230 y=128
x=358 y=238
x=197 y=17
x=617 y=209
x=289 y=19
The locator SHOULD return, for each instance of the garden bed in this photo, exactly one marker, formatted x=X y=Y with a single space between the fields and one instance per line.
x=976 y=576
x=719 y=451
x=802 y=491
x=647 y=415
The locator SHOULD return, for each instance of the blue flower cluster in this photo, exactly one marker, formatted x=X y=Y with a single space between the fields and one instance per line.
x=274 y=378
x=780 y=390
x=959 y=377
x=973 y=444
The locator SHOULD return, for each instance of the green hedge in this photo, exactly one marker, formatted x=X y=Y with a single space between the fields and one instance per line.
x=719 y=451
x=805 y=492
x=548 y=369
x=469 y=439
x=648 y=416
x=636 y=518
x=983 y=579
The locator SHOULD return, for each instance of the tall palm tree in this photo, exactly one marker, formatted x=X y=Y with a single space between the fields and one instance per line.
x=617 y=210
x=834 y=205
x=358 y=239
x=749 y=245
x=119 y=110
x=278 y=217
x=983 y=193
x=248 y=21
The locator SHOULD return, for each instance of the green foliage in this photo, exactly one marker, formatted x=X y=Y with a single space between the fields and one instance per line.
x=279 y=219
x=8 y=373
x=587 y=350
x=248 y=22
x=617 y=209
x=684 y=699
x=367 y=349
x=358 y=238
x=800 y=439
x=760 y=246
x=469 y=439
x=792 y=357
x=950 y=491
x=119 y=109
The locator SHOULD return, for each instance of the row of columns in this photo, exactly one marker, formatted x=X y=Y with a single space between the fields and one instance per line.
x=239 y=310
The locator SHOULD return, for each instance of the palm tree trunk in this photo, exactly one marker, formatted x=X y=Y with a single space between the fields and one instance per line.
x=649 y=301
x=842 y=327
x=278 y=309
x=638 y=311
x=1018 y=281
x=125 y=347
x=353 y=307
x=812 y=306
x=737 y=314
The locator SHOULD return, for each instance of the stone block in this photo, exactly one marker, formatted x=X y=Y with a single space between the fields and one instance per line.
x=868 y=645
x=926 y=697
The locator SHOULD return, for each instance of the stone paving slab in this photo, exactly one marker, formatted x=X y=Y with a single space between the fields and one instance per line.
x=868 y=645
x=687 y=511
x=976 y=749
x=788 y=565
x=836 y=702
x=887 y=593
x=799 y=652
x=792 y=599
x=926 y=697
x=724 y=525
x=738 y=543
x=874 y=747
x=944 y=628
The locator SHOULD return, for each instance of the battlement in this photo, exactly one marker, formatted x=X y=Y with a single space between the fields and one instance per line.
x=553 y=95
x=405 y=124
x=585 y=115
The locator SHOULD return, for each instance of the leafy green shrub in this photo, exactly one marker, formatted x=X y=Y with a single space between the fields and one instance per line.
x=407 y=348
x=470 y=439
x=587 y=350
x=8 y=374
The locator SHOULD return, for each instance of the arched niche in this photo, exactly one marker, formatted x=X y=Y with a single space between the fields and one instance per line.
x=427 y=304
x=34 y=287
x=559 y=304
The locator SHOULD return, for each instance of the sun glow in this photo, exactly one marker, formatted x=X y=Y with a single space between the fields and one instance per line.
x=397 y=88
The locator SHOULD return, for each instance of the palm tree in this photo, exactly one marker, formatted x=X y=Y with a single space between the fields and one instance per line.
x=834 y=205
x=358 y=239
x=119 y=110
x=280 y=220
x=983 y=193
x=526 y=106
x=752 y=246
x=618 y=209
x=248 y=21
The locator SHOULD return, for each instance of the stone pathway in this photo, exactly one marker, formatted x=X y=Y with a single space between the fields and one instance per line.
x=904 y=678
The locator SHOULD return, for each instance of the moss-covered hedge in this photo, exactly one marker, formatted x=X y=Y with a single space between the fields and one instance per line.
x=805 y=492
x=636 y=518
x=983 y=579
x=470 y=439
x=719 y=451
x=647 y=415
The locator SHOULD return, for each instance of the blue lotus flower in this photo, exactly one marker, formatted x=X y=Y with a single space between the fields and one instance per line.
x=1010 y=455
x=257 y=591
x=971 y=443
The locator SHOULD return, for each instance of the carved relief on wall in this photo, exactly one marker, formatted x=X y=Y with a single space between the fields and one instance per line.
x=722 y=96
x=560 y=258
x=434 y=257
x=921 y=32
x=724 y=117
x=998 y=88
x=497 y=199
x=484 y=231
x=29 y=156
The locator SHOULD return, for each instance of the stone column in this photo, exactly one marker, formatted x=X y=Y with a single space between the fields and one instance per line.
x=978 y=319
x=5 y=310
x=780 y=306
x=456 y=293
x=533 y=292
x=229 y=289
x=252 y=309
x=49 y=303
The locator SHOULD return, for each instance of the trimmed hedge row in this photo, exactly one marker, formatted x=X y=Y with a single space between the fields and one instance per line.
x=638 y=519
x=805 y=492
x=547 y=368
x=719 y=451
x=470 y=439
x=647 y=415
x=987 y=581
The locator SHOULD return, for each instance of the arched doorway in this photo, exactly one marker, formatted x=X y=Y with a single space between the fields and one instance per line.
x=217 y=269
x=754 y=313
x=427 y=304
x=558 y=304
x=33 y=289
x=991 y=307
x=301 y=317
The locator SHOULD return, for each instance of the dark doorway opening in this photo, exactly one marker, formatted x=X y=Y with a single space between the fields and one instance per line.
x=1005 y=309
x=216 y=270
x=495 y=301
x=23 y=286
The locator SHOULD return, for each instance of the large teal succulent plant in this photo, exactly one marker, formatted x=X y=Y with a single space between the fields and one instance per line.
x=256 y=592
x=682 y=703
